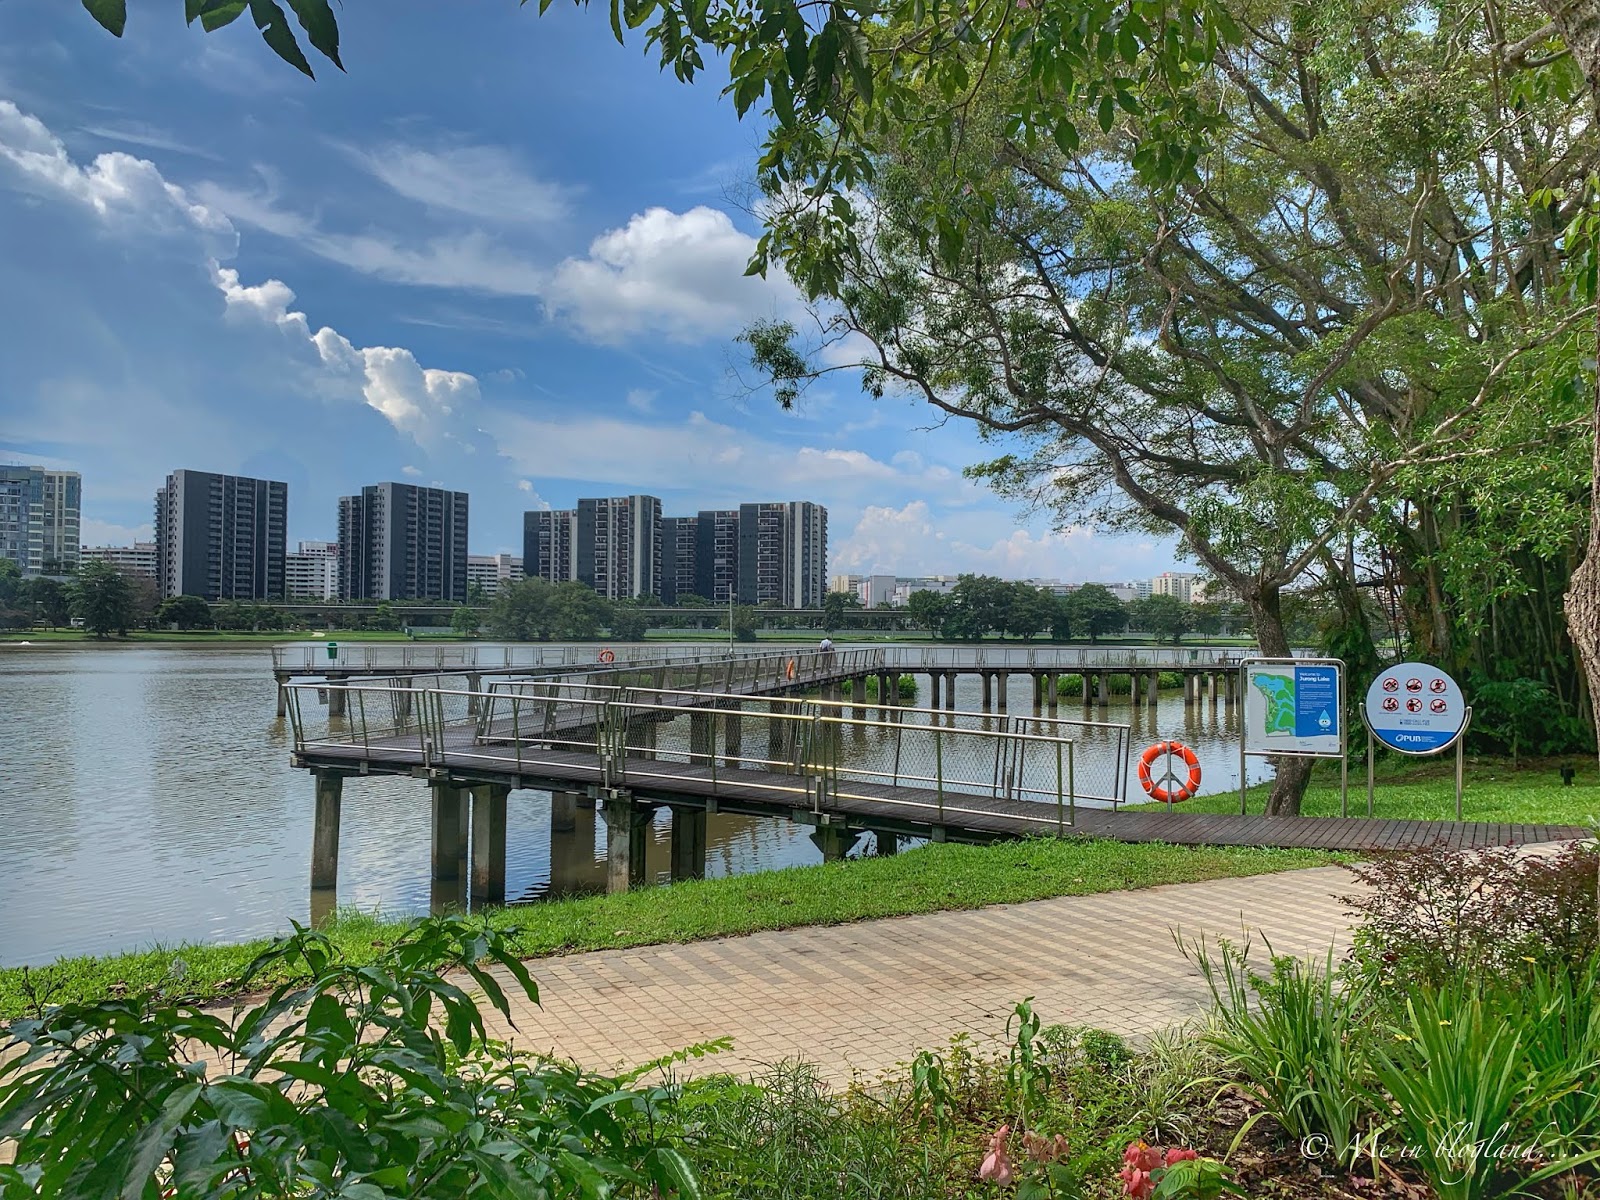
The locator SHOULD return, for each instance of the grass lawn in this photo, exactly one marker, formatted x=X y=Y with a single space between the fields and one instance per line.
x=927 y=879
x=1530 y=793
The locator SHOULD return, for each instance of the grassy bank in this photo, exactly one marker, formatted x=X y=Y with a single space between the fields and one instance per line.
x=1530 y=793
x=928 y=879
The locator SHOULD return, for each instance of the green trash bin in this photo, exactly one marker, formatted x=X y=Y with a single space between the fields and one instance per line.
x=333 y=651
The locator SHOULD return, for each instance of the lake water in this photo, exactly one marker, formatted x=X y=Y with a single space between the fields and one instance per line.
x=146 y=797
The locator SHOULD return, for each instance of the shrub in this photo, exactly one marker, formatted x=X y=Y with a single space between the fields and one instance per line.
x=1296 y=1041
x=368 y=1081
x=1431 y=913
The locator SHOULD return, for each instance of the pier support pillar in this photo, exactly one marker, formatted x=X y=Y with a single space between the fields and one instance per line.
x=1052 y=695
x=1003 y=681
x=733 y=740
x=627 y=833
x=1039 y=682
x=336 y=698
x=283 y=701
x=1133 y=689
x=474 y=686
x=888 y=843
x=1153 y=694
x=835 y=841
x=988 y=690
x=1087 y=682
x=571 y=848
x=688 y=844
x=563 y=810
x=1102 y=690
x=325 y=832
x=489 y=843
x=950 y=690
x=702 y=738
x=933 y=685
x=449 y=831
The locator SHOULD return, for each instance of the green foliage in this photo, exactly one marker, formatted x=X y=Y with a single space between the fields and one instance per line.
x=15 y=599
x=928 y=609
x=744 y=622
x=186 y=612
x=1095 y=612
x=105 y=599
x=1517 y=716
x=466 y=620
x=627 y=623
x=366 y=1081
x=1165 y=617
x=1296 y=1040
x=51 y=599
x=528 y=610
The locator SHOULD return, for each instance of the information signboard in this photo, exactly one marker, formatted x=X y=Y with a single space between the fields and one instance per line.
x=1293 y=708
x=1416 y=709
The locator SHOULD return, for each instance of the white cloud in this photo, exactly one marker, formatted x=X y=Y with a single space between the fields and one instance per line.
x=103 y=533
x=679 y=275
x=408 y=469
x=641 y=399
x=422 y=402
x=478 y=181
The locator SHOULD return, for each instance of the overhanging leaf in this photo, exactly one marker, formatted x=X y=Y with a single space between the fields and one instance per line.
x=112 y=14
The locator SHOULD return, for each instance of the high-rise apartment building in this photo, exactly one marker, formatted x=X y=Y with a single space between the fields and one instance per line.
x=399 y=541
x=680 y=543
x=717 y=554
x=311 y=572
x=487 y=572
x=138 y=559
x=618 y=546
x=39 y=519
x=221 y=537
x=549 y=539
x=1174 y=583
x=783 y=553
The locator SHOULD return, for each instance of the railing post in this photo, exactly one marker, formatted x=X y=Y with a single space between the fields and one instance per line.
x=938 y=767
x=361 y=708
x=1059 y=817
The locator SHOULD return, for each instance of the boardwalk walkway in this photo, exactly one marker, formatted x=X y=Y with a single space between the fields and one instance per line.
x=860 y=998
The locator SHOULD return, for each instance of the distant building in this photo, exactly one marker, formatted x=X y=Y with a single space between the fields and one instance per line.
x=399 y=541
x=907 y=586
x=783 y=553
x=1137 y=589
x=549 y=541
x=138 y=559
x=221 y=537
x=1126 y=592
x=40 y=519
x=849 y=585
x=717 y=554
x=489 y=571
x=680 y=557
x=618 y=546
x=1174 y=583
x=877 y=590
x=1212 y=591
x=311 y=571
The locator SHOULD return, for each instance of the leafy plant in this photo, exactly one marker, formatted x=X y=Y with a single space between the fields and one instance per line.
x=1296 y=1041
x=367 y=1081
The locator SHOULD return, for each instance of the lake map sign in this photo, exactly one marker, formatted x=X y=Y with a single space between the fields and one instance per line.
x=1293 y=708
x=1416 y=709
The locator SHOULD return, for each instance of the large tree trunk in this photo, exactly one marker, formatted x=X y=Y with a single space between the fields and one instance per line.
x=1578 y=22
x=1290 y=775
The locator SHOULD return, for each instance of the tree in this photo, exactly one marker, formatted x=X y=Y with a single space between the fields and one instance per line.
x=574 y=611
x=927 y=609
x=104 y=599
x=191 y=612
x=466 y=620
x=628 y=623
x=1062 y=618
x=1027 y=610
x=519 y=611
x=15 y=606
x=1165 y=617
x=476 y=596
x=744 y=623
x=1208 y=618
x=1096 y=612
x=51 y=600
x=834 y=606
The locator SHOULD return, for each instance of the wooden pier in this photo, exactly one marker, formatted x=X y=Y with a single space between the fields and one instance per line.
x=756 y=748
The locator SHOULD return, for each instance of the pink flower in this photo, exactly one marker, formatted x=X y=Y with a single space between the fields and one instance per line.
x=996 y=1166
x=1142 y=1157
x=1177 y=1156
x=1136 y=1183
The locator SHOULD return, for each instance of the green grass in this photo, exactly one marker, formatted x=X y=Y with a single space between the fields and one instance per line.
x=927 y=879
x=1530 y=793
x=209 y=637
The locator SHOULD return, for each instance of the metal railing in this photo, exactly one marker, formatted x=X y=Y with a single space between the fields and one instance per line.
x=931 y=770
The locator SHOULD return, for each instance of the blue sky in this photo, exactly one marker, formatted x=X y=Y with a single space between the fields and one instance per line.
x=502 y=254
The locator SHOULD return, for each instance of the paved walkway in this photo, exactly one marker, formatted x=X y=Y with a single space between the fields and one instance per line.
x=857 y=999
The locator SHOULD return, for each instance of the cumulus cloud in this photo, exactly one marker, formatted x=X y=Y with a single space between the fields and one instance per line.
x=679 y=275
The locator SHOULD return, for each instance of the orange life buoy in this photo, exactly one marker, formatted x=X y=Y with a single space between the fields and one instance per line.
x=1157 y=791
x=607 y=656
x=789 y=671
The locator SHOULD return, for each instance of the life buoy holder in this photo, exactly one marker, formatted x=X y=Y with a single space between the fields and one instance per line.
x=1159 y=790
x=606 y=656
x=789 y=670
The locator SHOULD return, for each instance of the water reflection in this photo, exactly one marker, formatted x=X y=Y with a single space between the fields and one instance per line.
x=146 y=797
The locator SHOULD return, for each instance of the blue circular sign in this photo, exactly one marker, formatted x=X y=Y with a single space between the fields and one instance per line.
x=1416 y=709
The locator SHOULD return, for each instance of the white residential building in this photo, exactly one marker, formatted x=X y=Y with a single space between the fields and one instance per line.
x=138 y=559
x=1174 y=583
x=312 y=571
x=489 y=571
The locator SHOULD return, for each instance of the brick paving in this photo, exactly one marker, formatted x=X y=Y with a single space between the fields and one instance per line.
x=857 y=999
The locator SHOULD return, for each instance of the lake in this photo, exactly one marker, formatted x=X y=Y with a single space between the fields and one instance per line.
x=146 y=797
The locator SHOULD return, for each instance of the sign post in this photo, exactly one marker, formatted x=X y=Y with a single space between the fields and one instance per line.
x=1416 y=709
x=1294 y=708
